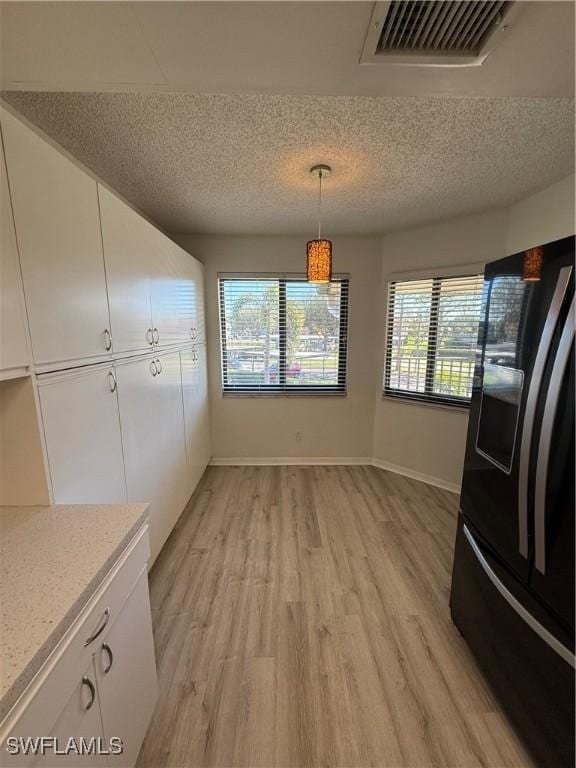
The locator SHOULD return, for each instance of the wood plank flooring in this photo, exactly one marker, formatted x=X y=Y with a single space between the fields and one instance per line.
x=301 y=620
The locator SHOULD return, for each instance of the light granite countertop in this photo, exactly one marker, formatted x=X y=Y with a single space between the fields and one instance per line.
x=53 y=559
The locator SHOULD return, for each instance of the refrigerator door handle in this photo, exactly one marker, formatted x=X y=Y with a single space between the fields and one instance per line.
x=517 y=606
x=532 y=401
x=548 y=419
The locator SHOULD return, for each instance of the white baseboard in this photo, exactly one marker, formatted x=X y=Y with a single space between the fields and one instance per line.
x=414 y=475
x=288 y=461
x=256 y=461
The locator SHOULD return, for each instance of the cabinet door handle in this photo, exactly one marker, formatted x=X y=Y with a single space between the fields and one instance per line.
x=108 y=650
x=156 y=335
x=153 y=368
x=100 y=629
x=107 y=340
x=112 y=381
x=159 y=366
x=150 y=336
x=90 y=685
x=191 y=333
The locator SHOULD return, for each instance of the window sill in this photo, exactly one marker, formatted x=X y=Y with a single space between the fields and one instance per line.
x=314 y=395
x=457 y=407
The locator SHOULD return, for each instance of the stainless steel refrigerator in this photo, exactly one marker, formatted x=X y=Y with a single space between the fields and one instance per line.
x=512 y=594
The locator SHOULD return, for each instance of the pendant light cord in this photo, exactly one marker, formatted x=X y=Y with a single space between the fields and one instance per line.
x=320 y=204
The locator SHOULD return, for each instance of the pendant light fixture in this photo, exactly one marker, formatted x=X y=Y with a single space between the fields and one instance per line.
x=319 y=251
x=533 y=259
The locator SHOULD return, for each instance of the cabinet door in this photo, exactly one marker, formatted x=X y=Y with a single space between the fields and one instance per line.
x=13 y=350
x=197 y=271
x=82 y=430
x=196 y=419
x=58 y=229
x=170 y=294
x=130 y=253
x=126 y=672
x=150 y=396
x=81 y=718
x=193 y=278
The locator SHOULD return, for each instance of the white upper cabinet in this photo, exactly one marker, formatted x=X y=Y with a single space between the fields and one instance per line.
x=177 y=294
x=82 y=432
x=193 y=276
x=168 y=294
x=13 y=347
x=131 y=253
x=57 y=222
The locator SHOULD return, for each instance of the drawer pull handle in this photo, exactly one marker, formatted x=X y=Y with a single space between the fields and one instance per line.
x=159 y=366
x=517 y=606
x=112 y=381
x=100 y=629
x=90 y=685
x=106 y=647
x=153 y=368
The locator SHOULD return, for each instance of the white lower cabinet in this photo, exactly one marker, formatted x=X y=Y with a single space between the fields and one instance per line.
x=150 y=397
x=96 y=693
x=81 y=719
x=196 y=418
x=126 y=673
x=82 y=433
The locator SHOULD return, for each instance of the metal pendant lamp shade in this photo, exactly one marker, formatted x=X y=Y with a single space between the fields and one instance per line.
x=319 y=251
x=533 y=259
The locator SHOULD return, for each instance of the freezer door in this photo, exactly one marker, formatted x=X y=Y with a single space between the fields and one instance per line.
x=525 y=655
x=519 y=332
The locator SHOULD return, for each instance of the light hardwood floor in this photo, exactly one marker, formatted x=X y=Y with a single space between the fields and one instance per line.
x=301 y=619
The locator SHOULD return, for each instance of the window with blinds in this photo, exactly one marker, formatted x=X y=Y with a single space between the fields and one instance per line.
x=281 y=334
x=432 y=332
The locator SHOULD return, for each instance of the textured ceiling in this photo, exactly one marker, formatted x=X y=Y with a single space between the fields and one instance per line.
x=239 y=164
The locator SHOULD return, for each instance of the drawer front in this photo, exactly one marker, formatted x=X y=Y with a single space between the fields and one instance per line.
x=38 y=709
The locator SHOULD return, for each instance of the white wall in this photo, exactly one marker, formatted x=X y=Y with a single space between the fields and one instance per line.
x=545 y=216
x=421 y=440
x=266 y=427
x=424 y=440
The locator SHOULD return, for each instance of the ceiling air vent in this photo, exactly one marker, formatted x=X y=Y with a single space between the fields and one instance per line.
x=436 y=32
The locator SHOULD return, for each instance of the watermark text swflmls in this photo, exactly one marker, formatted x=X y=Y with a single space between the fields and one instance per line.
x=45 y=745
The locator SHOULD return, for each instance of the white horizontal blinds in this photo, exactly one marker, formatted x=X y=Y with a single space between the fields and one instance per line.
x=283 y=334
x=409 y=306
x=249 y=318
x=432 y=331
